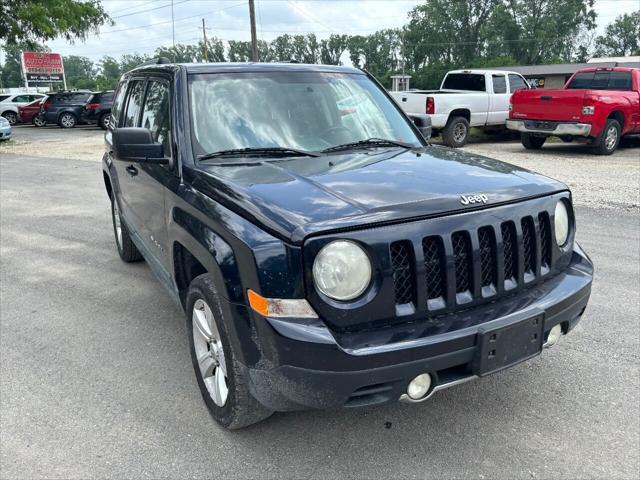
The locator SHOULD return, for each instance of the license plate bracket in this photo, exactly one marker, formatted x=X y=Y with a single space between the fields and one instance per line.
x=504 y=345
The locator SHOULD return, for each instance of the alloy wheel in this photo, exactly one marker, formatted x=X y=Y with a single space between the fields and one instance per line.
x=67 y=121
x=210 y=352
x=611 y=138
x=459 y=132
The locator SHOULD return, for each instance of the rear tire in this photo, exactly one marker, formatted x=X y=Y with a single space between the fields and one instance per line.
x=67 y=120
x=609 y=139
x=221 y=378
x=531 y=142
x=126 y=248
x=456 y=132
x=12 y=117
x=103 y=121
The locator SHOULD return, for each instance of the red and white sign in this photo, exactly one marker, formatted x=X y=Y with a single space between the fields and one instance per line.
x=43 y=67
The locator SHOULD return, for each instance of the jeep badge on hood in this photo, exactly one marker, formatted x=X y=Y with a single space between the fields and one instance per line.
x=477 y=198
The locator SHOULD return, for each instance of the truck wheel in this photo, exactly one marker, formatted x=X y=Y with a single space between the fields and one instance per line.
x=126 y=248
x=531 y=142
x=221 y=378
x=67 y=120
x=12 y=117
x=609 y=138
x=456 y=133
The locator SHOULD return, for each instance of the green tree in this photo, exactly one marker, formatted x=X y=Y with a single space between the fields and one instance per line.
x=80 y=72
x=109 y=73
x=621 y=37
x=332 y=48
x=180 y=53
x=132 y=60
x=41 y=20
x=541 y=31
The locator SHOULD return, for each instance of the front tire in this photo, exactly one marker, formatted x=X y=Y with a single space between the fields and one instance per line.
x=127 y=250
x=67 y=120
x=456 y=133
x=532 y=142
x=609 y=139
x=39 y=121
x=220 y=376
x=12 y=117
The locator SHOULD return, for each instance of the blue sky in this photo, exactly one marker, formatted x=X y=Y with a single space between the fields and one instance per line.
x=143 y=25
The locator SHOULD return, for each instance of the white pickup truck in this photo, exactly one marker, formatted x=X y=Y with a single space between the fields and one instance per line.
x=467 y=98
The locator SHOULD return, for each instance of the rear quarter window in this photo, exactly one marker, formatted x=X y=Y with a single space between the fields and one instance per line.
x=4 y=97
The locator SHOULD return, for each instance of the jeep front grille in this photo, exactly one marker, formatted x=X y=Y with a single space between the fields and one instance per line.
x=472 y=266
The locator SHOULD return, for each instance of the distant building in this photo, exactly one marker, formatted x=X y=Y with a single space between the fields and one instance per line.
x=556 y=75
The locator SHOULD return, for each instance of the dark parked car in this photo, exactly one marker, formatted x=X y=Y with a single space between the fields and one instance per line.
x=326 y=255
x=32 y=113
x=65 y=108
x=97 y=111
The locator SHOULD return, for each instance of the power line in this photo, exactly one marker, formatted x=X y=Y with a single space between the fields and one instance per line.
x=147 y=2
x=151 y=9
x=169 y=21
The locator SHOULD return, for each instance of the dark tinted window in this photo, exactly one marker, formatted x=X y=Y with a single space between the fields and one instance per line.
x=79 y=97
x=4 y=97
x=516 y=82
x=21 y=99
x=106 y=97
x=156 y=114
x=620 y=81
x=581 y=80
x=499 y=84
x=117 y=104
x=602 y=80
x=465 y=81
x=134 y=99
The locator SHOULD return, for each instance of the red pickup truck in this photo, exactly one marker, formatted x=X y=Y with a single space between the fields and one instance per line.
x=598 y=105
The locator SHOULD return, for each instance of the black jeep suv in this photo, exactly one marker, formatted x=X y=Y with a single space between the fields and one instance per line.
x=97 y=110
x=65 y=108
x=326 y=255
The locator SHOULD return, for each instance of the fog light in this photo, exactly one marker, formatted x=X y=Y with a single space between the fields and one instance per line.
x=419 y=386
x=554 y=336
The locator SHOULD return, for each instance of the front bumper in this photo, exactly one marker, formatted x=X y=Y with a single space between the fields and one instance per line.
x=555 y=128
x=326 y=371
x=5 y=133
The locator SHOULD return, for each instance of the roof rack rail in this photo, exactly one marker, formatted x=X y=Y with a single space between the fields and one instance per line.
x=156 y=61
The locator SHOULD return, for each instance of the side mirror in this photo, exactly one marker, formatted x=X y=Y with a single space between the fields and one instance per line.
x=423 y=122
x=135 y=144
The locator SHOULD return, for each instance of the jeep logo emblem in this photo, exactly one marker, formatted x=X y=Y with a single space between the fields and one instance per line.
x=469 y=199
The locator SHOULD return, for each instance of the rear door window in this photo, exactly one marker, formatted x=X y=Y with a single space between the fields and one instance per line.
x=156 y=113
x=134 y=100
x=106 y=97
x=499 y=84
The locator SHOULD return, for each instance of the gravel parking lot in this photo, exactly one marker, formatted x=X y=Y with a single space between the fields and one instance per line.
x=96 y=379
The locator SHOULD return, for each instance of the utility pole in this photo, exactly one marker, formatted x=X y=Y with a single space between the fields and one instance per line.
x=254 y=40
x=173 y=27
x=204 y=45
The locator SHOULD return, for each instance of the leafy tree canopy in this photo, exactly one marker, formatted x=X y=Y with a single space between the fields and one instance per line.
x=621 y=37
x=40 y=20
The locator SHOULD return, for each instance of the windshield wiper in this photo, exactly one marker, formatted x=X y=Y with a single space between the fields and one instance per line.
x=367 y=143
x=259 y=151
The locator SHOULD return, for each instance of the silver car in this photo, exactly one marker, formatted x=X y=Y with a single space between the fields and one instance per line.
x=5 y=129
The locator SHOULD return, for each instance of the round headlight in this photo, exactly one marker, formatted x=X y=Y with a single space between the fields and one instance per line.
x=561 y=223
x=342 y=270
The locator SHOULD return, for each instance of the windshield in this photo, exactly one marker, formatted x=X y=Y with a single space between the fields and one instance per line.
x=309 y=111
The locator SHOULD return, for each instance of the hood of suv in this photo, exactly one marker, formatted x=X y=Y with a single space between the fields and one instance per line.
x=296 y=197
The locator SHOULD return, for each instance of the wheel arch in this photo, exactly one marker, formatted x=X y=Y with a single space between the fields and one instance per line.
x=107 y=184
x=460 y=112
x=618 y=116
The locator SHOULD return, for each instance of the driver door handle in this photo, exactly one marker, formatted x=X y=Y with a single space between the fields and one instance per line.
x=132 y=170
